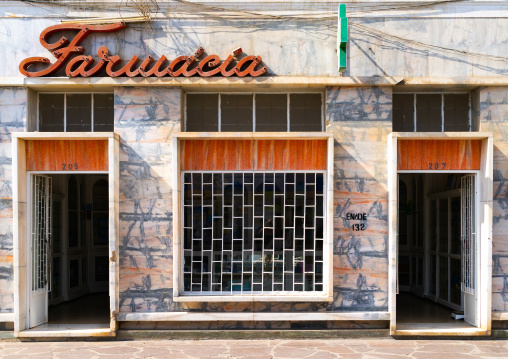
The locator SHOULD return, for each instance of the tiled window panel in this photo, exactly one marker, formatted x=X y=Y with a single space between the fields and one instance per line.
x=253 y=232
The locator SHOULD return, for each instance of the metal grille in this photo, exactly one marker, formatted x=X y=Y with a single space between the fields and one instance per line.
x=468 y=233
x=253 y=232
x=41 y=233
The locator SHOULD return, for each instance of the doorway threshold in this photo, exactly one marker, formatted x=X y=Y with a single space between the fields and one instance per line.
x=439 y=329
x=68 y=331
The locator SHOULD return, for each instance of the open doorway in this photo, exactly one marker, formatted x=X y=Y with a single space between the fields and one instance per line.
x=437 y=251
x=69 y=249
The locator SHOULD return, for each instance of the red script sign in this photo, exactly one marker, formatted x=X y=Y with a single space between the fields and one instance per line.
x=83 y=65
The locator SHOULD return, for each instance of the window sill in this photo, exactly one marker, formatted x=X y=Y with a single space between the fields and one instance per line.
x=253 y=298
x=65 y=135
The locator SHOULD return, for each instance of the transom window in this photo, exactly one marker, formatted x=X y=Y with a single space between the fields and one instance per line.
x=274 y=112
x=253 y=232
x=432 y=112
x=75 y=112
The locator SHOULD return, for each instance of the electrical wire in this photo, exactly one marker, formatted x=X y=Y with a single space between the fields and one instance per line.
x=217 y=10
x=383 y=35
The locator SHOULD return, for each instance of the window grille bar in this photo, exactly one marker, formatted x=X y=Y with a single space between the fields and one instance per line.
x=468 y=233
x=41 y=233
x=65 y=112
x=415 y=129
x=442 y=113
x=268 y=232
x=92 y=129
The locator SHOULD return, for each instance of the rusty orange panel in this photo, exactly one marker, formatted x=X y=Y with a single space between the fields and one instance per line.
x=414 y=155
x=321 y=147
x=66 y=155
x=264 y=155
x=103 y=153
x=62 y=152
x=230 y=155
x=439 y=154
x=31 y=148
x=452 y=158
x=92 y=150
x=187 y=160
x=476 y=154
x=402 y=154
x=283 y=157
x=245 y=159
x=248 y=155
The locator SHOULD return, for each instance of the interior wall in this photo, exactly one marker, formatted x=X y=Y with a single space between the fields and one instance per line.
x=412 y=254
x=433 y=183
x=87 y=252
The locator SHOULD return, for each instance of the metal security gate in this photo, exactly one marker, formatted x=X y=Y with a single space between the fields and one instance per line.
x=253 y=232
x=469 y=248
x=40 y=249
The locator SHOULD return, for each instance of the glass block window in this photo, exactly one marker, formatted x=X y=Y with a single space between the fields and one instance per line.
x=76 y=112
x=253 y=232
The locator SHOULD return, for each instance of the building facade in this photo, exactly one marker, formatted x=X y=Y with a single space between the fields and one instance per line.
x=148 y=183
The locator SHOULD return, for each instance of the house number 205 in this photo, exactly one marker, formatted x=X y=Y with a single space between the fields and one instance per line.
x=437 y=166
x=69 y=166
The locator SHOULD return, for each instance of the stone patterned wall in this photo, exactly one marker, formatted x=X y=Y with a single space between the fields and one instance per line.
x=360 y=119
x=378 y=46
x=145 y=119
x=13 y=105
x=493 y=114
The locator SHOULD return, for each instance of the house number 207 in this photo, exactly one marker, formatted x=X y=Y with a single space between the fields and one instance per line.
x=69 y=166
x=437 y=166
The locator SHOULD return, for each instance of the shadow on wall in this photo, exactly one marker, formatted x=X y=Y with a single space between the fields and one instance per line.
x=145 y=120
x=493 y=112
x=500 y=240
x=360 y=247
x=13 y=112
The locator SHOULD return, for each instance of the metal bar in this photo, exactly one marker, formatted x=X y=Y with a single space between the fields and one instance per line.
x=219 y=125
x=254 y=112
x=92 y=119
x=288 y=129
x=272 y=277
x=468 y=234
x=442 y=113
x=414 y=113
x=65 y=112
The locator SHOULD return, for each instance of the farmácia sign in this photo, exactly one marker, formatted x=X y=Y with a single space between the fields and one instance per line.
x=86 y=66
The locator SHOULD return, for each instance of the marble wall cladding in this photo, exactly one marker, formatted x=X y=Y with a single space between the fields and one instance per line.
x=360 y=119
x=253 y=325
x=145 y=119
x=493 y=118
x=13 y=104
x=378 y=46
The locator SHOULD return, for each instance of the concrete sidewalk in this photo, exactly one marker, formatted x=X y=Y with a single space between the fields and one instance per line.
x=258 y=349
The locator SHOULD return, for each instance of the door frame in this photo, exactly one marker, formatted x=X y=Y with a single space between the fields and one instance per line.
x=44 y=296
x=485 y=203
x=21 y=223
